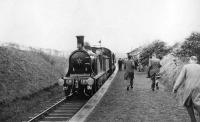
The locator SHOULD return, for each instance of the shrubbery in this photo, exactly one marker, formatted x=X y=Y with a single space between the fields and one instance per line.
x=173 y=63
x=171 y=66
x=174 y=57
x=159 y=47
x=191 y=46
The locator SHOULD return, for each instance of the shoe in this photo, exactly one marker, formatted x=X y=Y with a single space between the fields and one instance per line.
x=152 y=89
x=131 y=87
x=157 y=88
x=127 y=88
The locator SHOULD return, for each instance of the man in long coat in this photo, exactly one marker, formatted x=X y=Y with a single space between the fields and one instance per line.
x=129 y=71
x=189 y=80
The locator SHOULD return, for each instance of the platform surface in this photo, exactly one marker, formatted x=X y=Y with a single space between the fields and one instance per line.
x=139 y=104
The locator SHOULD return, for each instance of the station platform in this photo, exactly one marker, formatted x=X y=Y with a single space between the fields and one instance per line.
x=139 y=104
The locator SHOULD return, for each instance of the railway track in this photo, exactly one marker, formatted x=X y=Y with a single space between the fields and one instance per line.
x=60 y=111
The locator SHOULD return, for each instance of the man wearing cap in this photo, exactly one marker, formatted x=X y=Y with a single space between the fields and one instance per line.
x=189 y=81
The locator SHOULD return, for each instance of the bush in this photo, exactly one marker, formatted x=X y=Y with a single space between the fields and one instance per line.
x=171 y=67
x=173 y=63
x=191 y=46
x=159 y=47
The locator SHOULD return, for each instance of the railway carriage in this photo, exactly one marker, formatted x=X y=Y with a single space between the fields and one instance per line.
x=89 y=67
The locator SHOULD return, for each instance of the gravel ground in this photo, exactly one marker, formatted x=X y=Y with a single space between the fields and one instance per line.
x=139 y=104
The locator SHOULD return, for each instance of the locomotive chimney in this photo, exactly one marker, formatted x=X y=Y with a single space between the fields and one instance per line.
x=80 y=42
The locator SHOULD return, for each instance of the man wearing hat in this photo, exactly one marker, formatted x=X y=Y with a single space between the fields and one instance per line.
x=189 y=81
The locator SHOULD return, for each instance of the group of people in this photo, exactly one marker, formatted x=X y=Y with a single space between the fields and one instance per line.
x=131 y=65
x=188 y=80
x=137 y=65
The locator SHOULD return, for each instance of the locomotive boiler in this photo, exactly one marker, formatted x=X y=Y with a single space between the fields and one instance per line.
x=89 y=67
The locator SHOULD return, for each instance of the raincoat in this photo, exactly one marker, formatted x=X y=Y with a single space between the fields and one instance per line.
x=129 y=72
x=188 y=80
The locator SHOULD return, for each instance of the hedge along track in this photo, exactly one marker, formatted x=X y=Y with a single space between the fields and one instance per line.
x=60 y=111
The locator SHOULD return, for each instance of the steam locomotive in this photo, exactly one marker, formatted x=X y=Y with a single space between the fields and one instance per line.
x=89 y=67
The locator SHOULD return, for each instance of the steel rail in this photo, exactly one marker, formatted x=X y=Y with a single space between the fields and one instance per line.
x=40 y=115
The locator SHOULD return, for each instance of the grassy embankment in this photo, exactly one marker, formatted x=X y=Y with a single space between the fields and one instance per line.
x=23 y=76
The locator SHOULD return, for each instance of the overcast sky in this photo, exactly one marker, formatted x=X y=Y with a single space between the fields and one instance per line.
x=121 y=24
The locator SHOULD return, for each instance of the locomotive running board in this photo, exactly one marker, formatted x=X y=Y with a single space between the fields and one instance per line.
x=85 y=111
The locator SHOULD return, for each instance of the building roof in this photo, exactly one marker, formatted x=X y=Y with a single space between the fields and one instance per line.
x=135 y=52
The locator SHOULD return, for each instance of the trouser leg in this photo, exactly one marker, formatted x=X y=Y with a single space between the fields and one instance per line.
x=148 y=74
x=197 y=108
x=153 y=83
x=190 y=110
x=157 y=87
x=131 y=82
x=128 y=86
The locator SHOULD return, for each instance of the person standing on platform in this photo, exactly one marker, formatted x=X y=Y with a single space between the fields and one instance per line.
x=154 y=69
x=129 y=71
x=136 y=64
x=189 y=81
x=120 y=64
x=148 y=74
